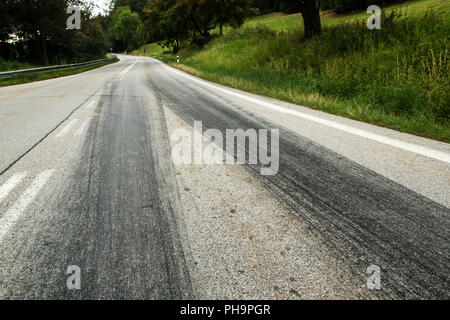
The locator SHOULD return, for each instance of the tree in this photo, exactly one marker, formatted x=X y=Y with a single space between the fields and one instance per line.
x=171 y=22
x=6 y=25
x=40 y=34
x=39 y=21
x=202 y=14
x=166 y=23
x=310 y=10
x=6 y=29
x=123 y=26
x=232 y=12
x=135 y=5
x=93 y=39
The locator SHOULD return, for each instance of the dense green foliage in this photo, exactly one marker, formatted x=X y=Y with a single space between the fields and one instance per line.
x=39 y=29
x=135 y=5
x=124 y=24
x=172 y=22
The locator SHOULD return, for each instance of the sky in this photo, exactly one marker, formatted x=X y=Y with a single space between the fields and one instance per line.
x=101 y=6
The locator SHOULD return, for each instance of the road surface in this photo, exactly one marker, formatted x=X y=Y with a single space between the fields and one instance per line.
x=87 y=180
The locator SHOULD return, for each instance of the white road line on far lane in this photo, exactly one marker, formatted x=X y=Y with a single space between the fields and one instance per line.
x=66 y=129
x=411 y=147
x=125 y=71
x=80 y=131
x=9 y=219
x=9 y=185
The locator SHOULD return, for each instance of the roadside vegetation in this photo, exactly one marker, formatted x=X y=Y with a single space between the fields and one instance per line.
x=50 y=74
x=327 y=59
x=396 y=77
x=15 y=65
x=35 y=33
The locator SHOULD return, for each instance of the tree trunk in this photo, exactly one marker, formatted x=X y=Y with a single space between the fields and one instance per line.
x=206 y=36
x=311 y=18
x=43 y=50
x=177 y=46
x=221 y=29
x=204 y=33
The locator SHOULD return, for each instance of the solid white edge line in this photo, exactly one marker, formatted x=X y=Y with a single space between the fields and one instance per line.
x=9 y=185
x=66 y=129
x=424 y=151
x=9 y=219
x=80 y=131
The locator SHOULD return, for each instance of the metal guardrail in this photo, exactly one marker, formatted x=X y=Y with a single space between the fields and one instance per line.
x=17 y=73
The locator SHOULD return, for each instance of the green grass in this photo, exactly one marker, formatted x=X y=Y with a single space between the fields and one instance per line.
x=396 y=77
x=280 y=22
x=6 y=65
x=15 y=65
x=49 y=75
x=151 y=49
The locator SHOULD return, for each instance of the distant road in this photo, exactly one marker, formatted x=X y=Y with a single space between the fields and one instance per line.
x=87 y=180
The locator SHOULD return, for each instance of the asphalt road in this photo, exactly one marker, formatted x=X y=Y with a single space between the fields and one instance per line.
x=87 y=180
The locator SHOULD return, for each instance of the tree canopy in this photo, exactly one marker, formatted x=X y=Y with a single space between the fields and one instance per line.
x=40 y=32
x=124 y=23
x=134 y=5
x=170 y=22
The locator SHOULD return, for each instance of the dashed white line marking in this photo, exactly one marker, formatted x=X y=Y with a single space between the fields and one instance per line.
x=9 y=219
x=9 y=185
x=411 y=147
x=67 y=128
x=80 y=131
x=125 y=71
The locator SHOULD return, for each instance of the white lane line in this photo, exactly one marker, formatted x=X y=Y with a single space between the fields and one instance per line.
x=125 y=71
x=411 y=147
x=91 y=104
x=67 y=128
x=11 y=184
x=80 y=131
x=9 y=219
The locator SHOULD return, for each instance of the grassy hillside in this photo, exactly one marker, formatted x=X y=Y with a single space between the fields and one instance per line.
x=396 y=77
